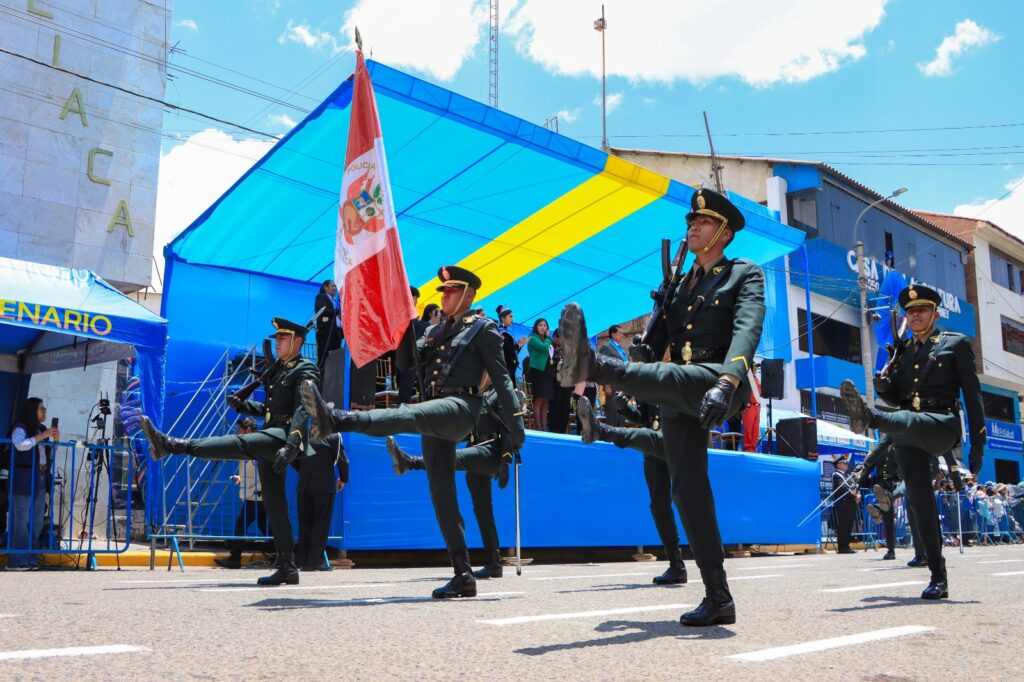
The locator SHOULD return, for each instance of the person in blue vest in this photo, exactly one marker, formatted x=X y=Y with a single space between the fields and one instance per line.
x=30 y=467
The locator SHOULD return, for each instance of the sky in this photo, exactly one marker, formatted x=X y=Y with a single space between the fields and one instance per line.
x=895 y=93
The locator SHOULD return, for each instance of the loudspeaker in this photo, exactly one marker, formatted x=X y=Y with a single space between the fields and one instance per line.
x=797 y=437
x=773 y=379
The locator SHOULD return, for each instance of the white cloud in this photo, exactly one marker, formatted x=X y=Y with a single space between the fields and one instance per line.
x=193 y=175
x=434 y=37
x=568 y=116
x=1008 y=213
x=758 y=42
x=283 y=120
x=187 y=24
x=310 y=37
x=967 y=35
x=614 y=100
x=650 y=101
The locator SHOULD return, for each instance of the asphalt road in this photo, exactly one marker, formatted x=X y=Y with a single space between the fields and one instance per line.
x=556 y=621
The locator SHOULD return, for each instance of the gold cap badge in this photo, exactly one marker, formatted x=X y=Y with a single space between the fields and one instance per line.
x=701 y=203
x=912 y=294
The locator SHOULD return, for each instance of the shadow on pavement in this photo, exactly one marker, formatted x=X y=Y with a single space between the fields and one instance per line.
x=285 y=604
x=620 y=586
x=882 y=602
x=640 y=632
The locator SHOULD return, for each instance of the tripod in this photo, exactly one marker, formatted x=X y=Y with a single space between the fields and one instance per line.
x=769 y=432
x=100 y=460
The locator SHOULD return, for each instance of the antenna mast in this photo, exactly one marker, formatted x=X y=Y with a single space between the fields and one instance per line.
x=716 y=168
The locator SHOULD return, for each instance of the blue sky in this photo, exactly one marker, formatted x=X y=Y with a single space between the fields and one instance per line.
x=787 y=68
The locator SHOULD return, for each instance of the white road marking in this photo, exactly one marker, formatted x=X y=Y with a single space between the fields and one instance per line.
x=71 y=651
x=592 y=575
x=1002 y=561
x=830 y=643
x=767 y=568
x=874 y=586
x=8 y=615
x=1010 y=573
x=971 y=556
x=755 y=577
x=160 y=582
x=580 y=614
x=883 y=568
x=292 y=588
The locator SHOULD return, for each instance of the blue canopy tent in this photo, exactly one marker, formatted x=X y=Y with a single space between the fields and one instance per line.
x=543 y=219
x=54 y=318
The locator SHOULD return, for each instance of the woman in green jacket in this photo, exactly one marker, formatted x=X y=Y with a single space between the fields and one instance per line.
x=540 y=372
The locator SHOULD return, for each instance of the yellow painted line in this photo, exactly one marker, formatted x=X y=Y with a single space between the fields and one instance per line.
x=620 y=190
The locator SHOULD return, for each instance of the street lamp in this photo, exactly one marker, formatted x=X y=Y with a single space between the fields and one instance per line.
x=600 y=25
x=862 y=284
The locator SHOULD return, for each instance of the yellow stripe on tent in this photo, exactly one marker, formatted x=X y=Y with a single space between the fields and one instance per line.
x=620 y=190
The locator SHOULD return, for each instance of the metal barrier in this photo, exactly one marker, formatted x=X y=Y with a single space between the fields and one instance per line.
x=983 y=519
x=59 y=514
x=865 y=529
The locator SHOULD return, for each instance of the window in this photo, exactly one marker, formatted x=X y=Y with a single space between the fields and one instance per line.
x=831 y=337
x=830 y=408
x=998 y=407
x=1006 y=271
x=1013 y=337
x=803 y=211
x=890 y=255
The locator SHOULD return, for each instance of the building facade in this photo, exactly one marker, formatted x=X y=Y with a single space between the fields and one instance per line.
x=80 y=129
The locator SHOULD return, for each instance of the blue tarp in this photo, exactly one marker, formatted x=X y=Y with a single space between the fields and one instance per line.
x=542 y=218
x=54 y=318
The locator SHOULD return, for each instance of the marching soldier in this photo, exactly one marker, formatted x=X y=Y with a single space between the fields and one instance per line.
x=651 y=443
x=454 y=356
x=925 y=382
x=881 y=476
x=713 y=316
x=487 y=458
x=282 y=438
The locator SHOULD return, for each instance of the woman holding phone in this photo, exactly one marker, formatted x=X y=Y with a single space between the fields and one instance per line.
x=30 y=467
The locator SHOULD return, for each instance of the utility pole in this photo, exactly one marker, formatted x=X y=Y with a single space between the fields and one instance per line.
x=600 y=25
x=716 y=168
x=492 y=43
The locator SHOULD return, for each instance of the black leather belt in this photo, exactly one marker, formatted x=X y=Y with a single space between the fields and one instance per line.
x=930 y=405
x=446 y=391
x=686 y=354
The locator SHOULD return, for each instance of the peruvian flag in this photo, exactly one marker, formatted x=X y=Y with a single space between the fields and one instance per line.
x=375 y=298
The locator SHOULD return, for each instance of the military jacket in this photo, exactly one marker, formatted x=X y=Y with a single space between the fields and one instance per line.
x=727 y=315
x=445 y=367
x=282 y=412
x=938 y=370
x=842 y=484
x=882 y=461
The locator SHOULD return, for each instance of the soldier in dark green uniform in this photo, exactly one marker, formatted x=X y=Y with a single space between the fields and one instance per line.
x=282 y=438
x=453 y=356
x=880 y=474
x=487 y=458
x=650 y=442
x=925 y=382
x=713 y=316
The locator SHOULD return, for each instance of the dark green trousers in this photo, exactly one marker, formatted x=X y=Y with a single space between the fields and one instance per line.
x=442 y=423
x=678 y=391
x=481 y=465
x=918 y=437
x=261 y=447
x=659 y=482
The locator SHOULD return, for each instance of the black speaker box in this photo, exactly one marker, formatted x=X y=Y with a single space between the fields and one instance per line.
x=333 y=380
x=797 y=437
x=773 y=379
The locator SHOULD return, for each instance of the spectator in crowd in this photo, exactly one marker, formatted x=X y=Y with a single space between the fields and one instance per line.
x=314 y=497
x=508 y=344
x=431 y=315
x=328 y=329
x=406 y=379
x=561 y=398
x=30 y=470
x=613 y=349
x=252 y=503
x=540 y=372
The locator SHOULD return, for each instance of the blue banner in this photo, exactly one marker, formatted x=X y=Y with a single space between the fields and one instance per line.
x=1003 y=435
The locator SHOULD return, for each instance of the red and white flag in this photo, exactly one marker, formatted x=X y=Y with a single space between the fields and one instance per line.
x=368 y=268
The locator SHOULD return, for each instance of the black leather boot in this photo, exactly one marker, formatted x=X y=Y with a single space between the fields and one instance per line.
x=890 y=555
x=937 y=588
x=590 y=428
x=493 y=569
x=861 y=416
x=463 y=584
x=323 y=420
x=287 y=572
x=918 y=560
x=675 y=574
x=717 y=607
x=160 y=444
x=400 y=459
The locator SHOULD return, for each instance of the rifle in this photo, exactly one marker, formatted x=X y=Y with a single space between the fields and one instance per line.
x=656 y=333
x=895 y=349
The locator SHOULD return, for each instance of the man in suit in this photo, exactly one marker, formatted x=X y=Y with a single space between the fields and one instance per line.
x=282 y=438
x=615 y=350
x=713 y=319
x=844 y=505
x=925 y=381
x=314 y=499
x=328 y=333
x=454 y=355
